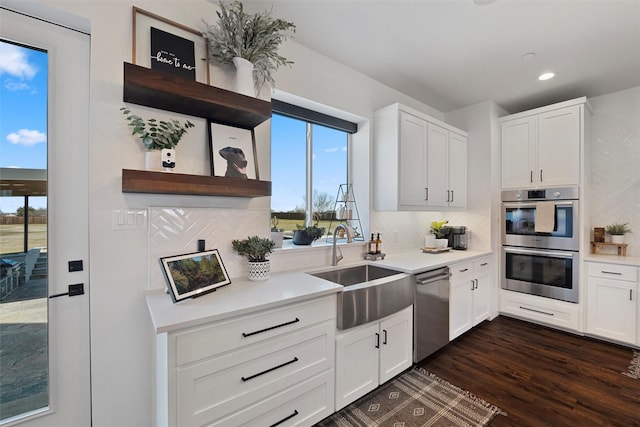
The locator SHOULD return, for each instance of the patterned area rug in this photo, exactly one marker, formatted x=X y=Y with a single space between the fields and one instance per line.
x=634 y=368
x=416 y=398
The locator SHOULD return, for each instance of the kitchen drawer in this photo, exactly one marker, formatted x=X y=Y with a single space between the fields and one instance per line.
x=203 y=342
x=223 y=384
x=462 y=271
x=302 y=405
x=612 y=271
x=552 y=312
x=482 y=267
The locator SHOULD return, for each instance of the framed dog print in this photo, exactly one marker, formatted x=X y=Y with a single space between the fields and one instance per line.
x=161 y=44
x=193 y=275
x=232 y=152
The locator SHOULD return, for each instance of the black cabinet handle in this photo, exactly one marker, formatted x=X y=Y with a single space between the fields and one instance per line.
x=426 y=193
x=384 y=340
x=611 y=272
x=377 y=340
x=537 y=311
x=285 y=419
x=295 y=359
x=483 y=264
x=452 y=198
x=248 y=334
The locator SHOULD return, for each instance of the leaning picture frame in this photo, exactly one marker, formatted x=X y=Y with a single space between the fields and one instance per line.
x=194 y=274
x=141 y=53
x=232 y=151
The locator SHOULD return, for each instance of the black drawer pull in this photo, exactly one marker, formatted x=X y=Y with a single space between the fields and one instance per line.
x=295 y=359
x=537 y=311
x=483 y=264
x=611 y=272
x=285 y=419
x=463 y=270
x=245 y=334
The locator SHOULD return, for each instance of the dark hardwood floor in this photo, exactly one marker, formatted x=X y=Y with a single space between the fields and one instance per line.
x=541 y=376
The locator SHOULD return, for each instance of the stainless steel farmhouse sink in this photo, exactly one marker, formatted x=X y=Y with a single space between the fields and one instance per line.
x=370 y=292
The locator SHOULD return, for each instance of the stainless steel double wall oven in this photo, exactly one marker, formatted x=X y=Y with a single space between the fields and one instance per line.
x=543 y=263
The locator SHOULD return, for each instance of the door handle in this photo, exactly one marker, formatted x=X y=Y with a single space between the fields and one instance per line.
x=377 y=340
x=384 y=340
x=473 y=284
x=530 y=176
x=426 y=193
x=452 y=197
x=448 y=196
x=540 y=175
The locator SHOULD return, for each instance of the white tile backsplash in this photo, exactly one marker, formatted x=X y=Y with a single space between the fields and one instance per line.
x=615 y=169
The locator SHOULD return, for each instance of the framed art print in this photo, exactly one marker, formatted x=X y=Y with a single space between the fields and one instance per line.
x=193 y=275
x=164 y=45
x=232 y=152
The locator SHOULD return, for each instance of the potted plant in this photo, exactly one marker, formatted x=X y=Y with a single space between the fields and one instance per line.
x=159 y=137
x=250 y=43
x=256 y=249
x=617 y=231
x=307 y=235
x=277 y=234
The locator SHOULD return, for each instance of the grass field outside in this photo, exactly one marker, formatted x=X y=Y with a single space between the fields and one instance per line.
x=12 y=237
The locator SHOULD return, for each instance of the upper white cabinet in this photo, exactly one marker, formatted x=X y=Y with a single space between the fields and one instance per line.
x=543 y=147
x=419 y=162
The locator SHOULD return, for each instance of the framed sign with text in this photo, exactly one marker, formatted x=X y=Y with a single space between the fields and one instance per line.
x=164 y=45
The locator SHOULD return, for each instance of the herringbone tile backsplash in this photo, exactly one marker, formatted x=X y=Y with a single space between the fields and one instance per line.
x=615 y=168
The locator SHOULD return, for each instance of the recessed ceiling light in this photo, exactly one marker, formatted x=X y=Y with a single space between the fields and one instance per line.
x=547 y=76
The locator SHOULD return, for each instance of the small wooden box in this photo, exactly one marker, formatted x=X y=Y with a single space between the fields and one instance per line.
x=598 y=234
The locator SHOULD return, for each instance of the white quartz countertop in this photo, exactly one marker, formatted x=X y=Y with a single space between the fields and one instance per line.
x=613 y=259
x=415 y=262
x=243 y=296
x=240 y=297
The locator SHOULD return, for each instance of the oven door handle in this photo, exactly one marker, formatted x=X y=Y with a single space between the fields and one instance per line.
x=555 y=254
x=528 y=205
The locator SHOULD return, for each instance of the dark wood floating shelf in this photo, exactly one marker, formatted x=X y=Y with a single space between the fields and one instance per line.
x=144 y=181
x=150 y=88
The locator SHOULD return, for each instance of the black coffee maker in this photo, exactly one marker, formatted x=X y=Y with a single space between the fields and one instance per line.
x=457 y=236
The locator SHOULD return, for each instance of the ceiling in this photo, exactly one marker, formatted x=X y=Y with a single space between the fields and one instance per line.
x=453 y=53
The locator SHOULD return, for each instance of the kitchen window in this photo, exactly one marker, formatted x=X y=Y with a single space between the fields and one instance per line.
x=309 y=161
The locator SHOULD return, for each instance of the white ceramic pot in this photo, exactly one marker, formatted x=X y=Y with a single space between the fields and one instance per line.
x=244 y=77
x=259 y=271
x=153 y=160
x=617 y=238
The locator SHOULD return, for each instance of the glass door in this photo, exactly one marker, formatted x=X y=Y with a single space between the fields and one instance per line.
x=44 y=340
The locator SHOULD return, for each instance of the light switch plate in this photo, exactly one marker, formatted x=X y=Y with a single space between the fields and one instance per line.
x=128 y=219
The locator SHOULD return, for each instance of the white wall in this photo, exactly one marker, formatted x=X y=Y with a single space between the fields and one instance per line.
x=121 y=335
x=615 y=160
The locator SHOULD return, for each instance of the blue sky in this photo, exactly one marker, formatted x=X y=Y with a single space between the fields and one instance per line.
x=23 y=114
x=288 y=165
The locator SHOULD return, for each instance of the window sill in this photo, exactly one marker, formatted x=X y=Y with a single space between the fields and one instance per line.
x=288 y=245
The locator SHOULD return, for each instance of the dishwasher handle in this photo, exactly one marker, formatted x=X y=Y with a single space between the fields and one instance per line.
x=433 y=279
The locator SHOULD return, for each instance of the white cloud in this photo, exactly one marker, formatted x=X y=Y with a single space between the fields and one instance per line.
x=27 y=137
x=14 y=61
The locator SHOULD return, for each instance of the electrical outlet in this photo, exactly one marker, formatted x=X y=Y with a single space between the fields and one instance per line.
x=394 y=236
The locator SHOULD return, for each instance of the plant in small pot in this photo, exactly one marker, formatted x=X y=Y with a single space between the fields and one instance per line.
x=159 y=137
x=248 y=42
x=256 y=249
x=617 y=231
x=277 y=234
x=307 y=235
x=438 y=231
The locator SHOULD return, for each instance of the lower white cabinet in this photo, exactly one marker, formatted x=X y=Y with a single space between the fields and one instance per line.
x=612 y=301
x=548 y=311
x=372 y=354
x=469 y=296
x=270 y=367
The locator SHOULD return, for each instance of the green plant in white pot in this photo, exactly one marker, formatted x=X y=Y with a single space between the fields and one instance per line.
x=248 y=42
x=617 y=231
x=159 y=137
x=256 y=249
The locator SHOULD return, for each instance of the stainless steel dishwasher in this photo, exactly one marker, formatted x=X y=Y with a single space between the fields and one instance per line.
x=431 y=313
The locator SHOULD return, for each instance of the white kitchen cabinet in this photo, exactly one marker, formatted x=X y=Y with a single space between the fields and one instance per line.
x=371 y=354
x=273 y=365
x=543 y=147
x=612 y=301
x=547 y=311
x=420 y=162
x=469 y=296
